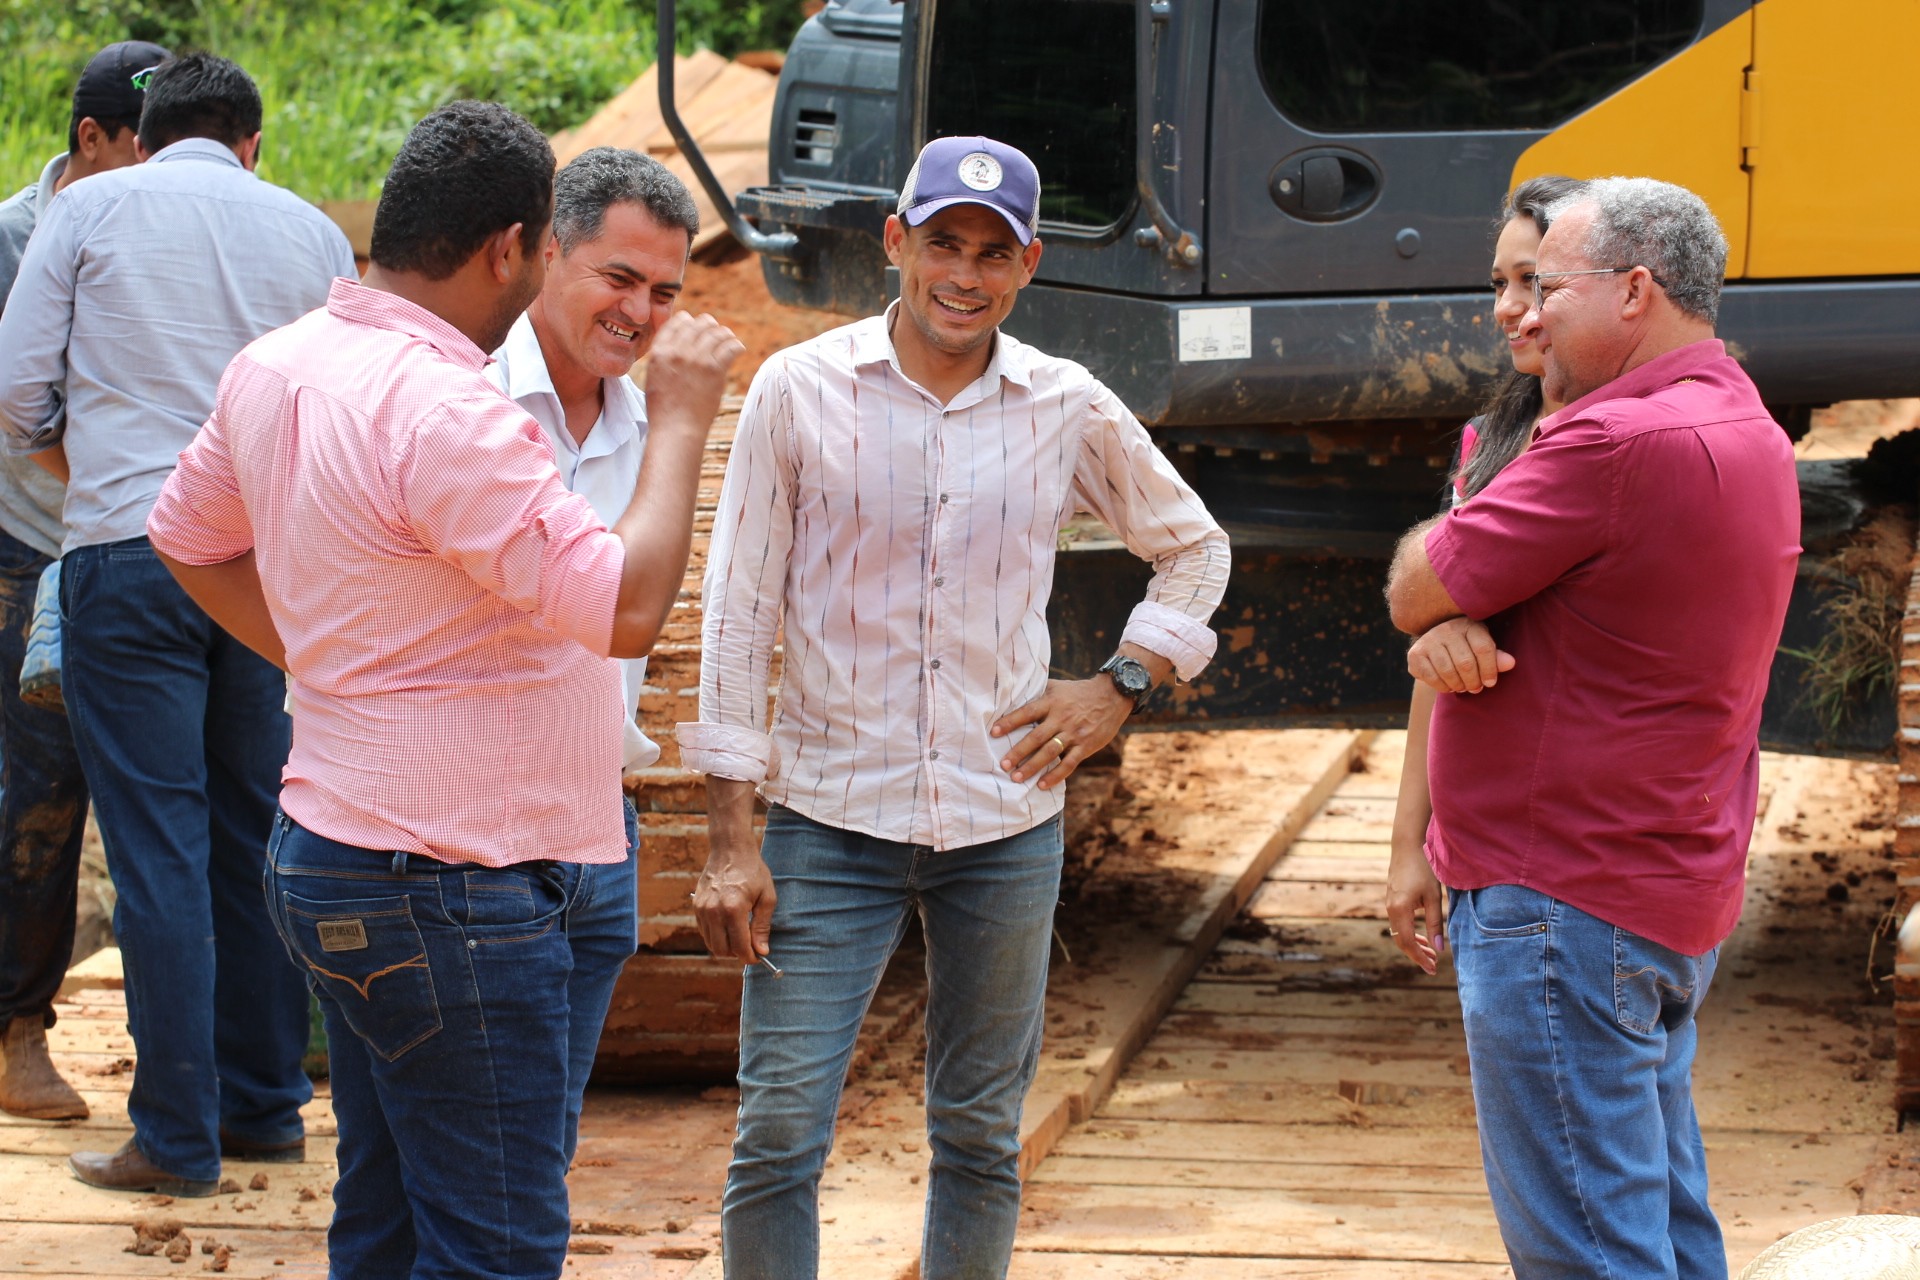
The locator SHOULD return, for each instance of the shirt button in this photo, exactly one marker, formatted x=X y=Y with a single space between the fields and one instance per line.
x=933 y=755
x=944 y=497
x=935 y=664
x=939 y=582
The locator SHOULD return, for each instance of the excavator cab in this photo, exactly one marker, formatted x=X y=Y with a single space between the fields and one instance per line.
x=1267 y=225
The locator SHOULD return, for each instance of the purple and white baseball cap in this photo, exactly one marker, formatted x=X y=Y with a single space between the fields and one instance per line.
x=952 y=171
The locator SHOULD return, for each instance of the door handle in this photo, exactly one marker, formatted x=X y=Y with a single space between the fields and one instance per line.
x=1325 y=184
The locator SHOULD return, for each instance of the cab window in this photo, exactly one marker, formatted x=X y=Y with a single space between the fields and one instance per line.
x=1053 y=78
x=1399 y=66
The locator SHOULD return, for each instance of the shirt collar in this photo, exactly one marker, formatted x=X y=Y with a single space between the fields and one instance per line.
x=48 y=176
x=197 y=149
x=622 y=411
x=1658 y=372
x=352 y=301
x=522 y=362
x=873 y=344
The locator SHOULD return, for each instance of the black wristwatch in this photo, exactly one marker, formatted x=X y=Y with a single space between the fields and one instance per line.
x=1130 y=676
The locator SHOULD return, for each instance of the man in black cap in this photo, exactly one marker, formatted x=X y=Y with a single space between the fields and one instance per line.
x=43 y=796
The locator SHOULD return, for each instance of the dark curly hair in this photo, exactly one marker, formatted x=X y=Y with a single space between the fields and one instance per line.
x=468 y=171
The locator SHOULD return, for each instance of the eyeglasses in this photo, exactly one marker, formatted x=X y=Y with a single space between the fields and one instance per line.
x=141 y=79
x=1540 y=295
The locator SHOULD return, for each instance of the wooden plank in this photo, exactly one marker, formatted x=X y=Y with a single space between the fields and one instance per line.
x=107 y=1101
x=1375 y=1059
x=1342 y=1223
x=99 y=971
x=1285 y=1033
x=1319 y=899
x=631 y=116
x=63 y=1140
x=41 y=1189
x=734 y=105
x=1286 y=1103
x=98 y=1251
x=1357 y=819
x=1301 y=865
x=1388 y=1004
x=1256 y=1143
x=1244 y=1175
x=1106 y=1266
x=1207 y=859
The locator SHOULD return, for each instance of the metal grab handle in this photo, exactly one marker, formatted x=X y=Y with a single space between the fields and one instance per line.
x=1183 y=247
x=779 y=244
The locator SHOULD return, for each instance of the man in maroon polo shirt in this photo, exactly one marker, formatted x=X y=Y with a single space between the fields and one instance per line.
x=1592 y=809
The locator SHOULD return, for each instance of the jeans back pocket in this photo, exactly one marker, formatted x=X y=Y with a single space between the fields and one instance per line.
x=368 y=954
x=1652 y=984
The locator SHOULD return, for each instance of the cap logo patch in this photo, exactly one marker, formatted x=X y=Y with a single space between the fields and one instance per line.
x=979 y=171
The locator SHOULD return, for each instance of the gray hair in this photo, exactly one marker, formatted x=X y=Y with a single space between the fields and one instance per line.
x=1665 y=228
x=597 y=179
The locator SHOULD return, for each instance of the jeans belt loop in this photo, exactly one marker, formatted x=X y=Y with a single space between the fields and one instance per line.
x=400 y=862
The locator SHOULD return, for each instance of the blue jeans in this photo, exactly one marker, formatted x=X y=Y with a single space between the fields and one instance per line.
x=603 y=925
x=43 y=812
x=182 y=736
x=844 y=902
x=1581 y=1037
x=448 y=996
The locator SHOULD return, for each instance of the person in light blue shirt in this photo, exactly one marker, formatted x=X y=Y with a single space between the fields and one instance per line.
x=43 y=793
x=623 y=226
x=137 y=289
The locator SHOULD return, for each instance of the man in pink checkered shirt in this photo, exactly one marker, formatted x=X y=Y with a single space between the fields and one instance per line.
x=366 y=510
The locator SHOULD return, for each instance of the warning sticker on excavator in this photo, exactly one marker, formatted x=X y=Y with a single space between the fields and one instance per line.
x=1216 y=333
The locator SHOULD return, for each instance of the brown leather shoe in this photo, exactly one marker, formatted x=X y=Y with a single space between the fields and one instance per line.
x=234 y=1147
x=29 y=1086
x=128 y=1170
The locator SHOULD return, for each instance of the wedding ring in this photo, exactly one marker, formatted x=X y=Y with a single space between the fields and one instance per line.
x=1062 y=745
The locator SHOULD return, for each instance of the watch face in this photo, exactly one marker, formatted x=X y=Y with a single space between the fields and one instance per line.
x=1131 y=676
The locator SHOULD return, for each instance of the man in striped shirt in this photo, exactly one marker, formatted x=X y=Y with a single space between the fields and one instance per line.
x=892 y=510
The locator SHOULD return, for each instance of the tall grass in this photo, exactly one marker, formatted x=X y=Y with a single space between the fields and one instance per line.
x=343 y=80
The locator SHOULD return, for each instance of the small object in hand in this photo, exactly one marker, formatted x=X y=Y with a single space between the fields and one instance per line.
x=778 y=972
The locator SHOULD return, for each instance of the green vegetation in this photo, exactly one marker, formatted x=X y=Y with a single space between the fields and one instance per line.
x=344 y=80
x=1857 y=658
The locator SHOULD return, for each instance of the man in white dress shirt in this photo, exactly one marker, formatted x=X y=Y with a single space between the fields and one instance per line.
x=622 y=229
x=891 y=510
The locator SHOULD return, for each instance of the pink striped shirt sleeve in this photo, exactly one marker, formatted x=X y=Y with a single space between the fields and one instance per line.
x=479 y=489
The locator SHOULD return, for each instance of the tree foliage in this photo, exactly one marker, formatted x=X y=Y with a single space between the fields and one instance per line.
x=343 y=80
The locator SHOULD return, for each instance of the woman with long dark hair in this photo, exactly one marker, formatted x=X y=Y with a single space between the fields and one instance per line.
x=1497 y=436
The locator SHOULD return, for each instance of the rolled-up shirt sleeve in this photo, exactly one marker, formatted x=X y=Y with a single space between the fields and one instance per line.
x=744 y=591
x=200 y=518
x=478 y=487
x=1124 y=479
x=34 y=330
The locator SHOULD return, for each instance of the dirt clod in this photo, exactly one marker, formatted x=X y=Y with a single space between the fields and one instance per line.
x=151 y=1236
x=229 y=1186
x=179 y=1249
x=259 y=1183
